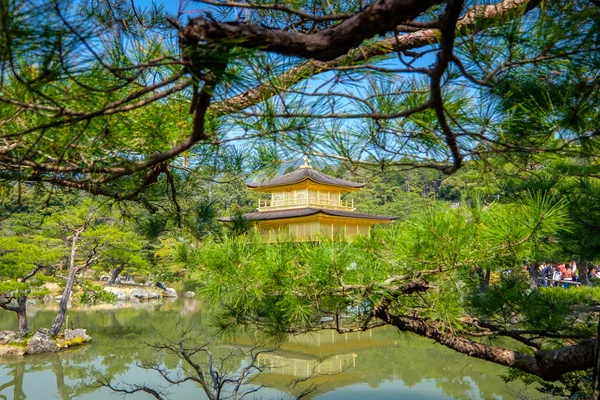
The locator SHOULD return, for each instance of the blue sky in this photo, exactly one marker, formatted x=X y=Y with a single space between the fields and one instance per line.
x=358 y=89
x=171 y=5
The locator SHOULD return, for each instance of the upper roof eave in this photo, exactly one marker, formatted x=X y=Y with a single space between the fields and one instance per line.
x=259 y=187
x=302 y=174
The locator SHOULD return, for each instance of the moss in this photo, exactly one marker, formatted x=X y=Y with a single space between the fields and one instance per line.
x=23 y=344
x=78 y=341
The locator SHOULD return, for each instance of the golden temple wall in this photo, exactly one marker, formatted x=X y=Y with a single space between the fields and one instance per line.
x=312 y=230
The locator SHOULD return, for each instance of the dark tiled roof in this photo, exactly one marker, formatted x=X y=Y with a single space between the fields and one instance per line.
x=306 y=173
x=303 y=212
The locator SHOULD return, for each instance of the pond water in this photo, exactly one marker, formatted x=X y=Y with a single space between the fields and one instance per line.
x=380 y=364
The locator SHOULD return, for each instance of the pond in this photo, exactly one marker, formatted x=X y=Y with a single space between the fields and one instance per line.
x=380 y=364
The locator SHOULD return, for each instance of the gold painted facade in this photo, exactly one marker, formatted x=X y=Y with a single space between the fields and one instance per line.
x=306 y=195
x=314 y=228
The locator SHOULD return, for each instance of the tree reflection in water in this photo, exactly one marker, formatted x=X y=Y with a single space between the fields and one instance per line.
x=367 y=361
x=18 y=370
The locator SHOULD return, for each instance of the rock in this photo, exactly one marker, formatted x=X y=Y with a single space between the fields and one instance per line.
x=70 y=334
x=7 y=337
x=47 y=299
x=11 y=351
x=12 y=344
x=41 y=343
x=140 y=294
x=190 y=294
x=170 y=292
x=144 y=294
x=120 y=294
x=128 y=280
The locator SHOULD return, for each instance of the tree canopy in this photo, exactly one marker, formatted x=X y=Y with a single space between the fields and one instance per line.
x=157 y=106
x=114 y=99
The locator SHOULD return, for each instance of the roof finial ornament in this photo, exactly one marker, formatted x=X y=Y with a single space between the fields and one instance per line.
x=306 y=163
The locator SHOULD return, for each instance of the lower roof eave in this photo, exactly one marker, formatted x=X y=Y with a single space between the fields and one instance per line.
x=306 y=212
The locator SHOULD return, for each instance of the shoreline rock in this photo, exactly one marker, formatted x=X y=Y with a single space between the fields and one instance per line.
x=73 y=334
x=13 y=344
x=137 y=294
x=7 y=337
x=41 y=343
x=144 y=294
x=124 y=293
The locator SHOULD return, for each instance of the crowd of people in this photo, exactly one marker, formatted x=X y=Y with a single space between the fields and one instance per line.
x=563 y=274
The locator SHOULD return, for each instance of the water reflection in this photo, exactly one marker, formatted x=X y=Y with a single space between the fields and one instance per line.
x=16 y=371
x=379 y=364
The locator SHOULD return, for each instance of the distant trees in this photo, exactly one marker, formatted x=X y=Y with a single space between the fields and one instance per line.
x=25 y=254
x=19 y=263
x=62 y=241
x=123 y=250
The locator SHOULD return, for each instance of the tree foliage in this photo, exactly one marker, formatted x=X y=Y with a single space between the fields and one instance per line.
x=140 y=104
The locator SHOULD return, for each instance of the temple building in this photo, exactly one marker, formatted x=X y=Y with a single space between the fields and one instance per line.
x=306 y=205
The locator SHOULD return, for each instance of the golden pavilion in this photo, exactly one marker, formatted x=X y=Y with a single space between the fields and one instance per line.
x=306 y=205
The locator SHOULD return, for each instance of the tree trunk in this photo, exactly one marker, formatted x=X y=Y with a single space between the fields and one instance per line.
x=595 y=376
x=65 y=262
x=582 y=271
x=534 y=274
x=21 y=310
x=22 y=313
x=62 y=307
x=485 y=280
x=64 y=301
x=115 y=274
